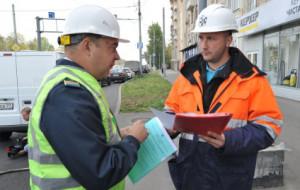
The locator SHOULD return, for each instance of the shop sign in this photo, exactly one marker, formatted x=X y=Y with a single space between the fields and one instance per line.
x=270 y=14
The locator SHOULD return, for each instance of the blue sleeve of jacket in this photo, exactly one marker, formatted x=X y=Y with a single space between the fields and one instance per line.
x=71 y=122
x=246 y=140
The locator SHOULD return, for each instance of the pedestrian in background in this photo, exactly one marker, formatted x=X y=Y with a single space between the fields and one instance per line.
x=25 y=112
x=222 y=79
x=74 y=140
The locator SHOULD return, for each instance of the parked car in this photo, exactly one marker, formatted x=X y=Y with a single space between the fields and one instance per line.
x=146 y=68
x=105 y=81
x=130 y=73
x=133 y=65
x=118 y=74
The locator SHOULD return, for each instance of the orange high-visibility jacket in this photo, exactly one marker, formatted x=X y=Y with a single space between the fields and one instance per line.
x=248 y=98
x=255 y=124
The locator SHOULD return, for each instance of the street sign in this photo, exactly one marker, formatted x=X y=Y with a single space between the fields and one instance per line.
x=139 y=45
x=51 y=15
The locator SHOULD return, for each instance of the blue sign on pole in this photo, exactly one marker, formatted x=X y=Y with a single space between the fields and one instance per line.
x=139 y=45
x=51 y=15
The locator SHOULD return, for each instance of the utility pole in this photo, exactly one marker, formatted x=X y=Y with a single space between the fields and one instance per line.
x=38 y=32
x=14 y=21
x=163 y=46
x=154 y=50
x=140 y=46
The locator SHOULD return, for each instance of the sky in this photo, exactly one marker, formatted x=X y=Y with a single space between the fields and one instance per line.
x=27 y=10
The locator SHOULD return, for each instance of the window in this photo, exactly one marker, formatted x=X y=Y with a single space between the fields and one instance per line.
x=251 y=4
x=252 y=56
x=233 y=4
x=289 y=53
x=271 y=57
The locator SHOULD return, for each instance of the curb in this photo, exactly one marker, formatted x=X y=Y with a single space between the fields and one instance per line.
x=117 y=110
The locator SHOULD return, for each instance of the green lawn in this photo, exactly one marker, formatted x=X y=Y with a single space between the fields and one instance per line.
x=141 y=93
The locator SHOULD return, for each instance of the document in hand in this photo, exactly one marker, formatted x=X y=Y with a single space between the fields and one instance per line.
x=155 y=149
x=201 y=123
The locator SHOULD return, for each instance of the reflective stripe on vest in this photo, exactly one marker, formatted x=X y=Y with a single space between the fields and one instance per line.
x=262 y=120
x=46 y=169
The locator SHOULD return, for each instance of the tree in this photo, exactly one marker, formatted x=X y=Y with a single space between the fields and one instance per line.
x=169 y=55
x=45 y=45
x=9 y=44
x=2 y=43
x=154 y=47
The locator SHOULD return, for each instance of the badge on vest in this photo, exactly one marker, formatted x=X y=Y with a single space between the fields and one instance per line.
x=71 y=83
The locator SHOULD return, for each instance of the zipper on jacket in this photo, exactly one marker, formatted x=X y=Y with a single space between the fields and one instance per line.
x=215 y=108
x=219 y=95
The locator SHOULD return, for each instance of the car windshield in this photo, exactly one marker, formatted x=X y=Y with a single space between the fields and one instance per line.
x=116 y=70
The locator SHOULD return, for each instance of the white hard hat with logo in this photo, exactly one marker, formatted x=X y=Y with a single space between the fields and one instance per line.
x=215 y=18
x=92 y=19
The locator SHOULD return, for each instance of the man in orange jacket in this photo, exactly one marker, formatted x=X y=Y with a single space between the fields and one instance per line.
x=222 y=79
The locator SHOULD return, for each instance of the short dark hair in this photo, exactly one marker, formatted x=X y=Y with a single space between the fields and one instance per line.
x=77 y=38
x=26 y=110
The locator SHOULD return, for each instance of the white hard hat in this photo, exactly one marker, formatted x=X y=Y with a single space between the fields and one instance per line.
x=215 y=18
x=92 y=19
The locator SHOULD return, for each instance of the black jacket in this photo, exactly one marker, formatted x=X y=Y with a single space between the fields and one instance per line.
x=71 y=122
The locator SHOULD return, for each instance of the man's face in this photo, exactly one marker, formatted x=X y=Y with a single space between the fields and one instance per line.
x=214 y=45
x=25 y=115
x=103 y=55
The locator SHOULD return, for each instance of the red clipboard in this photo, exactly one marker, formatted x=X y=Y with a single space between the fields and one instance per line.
x=201 y=123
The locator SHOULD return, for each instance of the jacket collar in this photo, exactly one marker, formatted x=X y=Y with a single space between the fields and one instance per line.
x=239 y=64
x=67 y=62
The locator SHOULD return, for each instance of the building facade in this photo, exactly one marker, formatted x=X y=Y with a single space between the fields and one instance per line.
x=184 y=15
x=177 y=16
x=269 y=35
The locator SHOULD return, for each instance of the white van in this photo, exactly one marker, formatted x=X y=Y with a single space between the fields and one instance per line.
x=21 y=75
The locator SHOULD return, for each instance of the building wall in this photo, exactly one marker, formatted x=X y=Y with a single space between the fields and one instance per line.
x=184 y=15
x=275 y=49
x=175 y=31
x=252 y=45
x=191 y=9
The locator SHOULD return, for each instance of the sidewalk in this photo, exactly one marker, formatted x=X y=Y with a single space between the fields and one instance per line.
x=128 y=118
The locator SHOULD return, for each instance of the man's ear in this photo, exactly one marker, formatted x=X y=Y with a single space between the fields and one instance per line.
x=228 y=40
x=85 y=45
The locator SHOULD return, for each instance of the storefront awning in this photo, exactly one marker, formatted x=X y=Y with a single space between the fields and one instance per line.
x=189 y=47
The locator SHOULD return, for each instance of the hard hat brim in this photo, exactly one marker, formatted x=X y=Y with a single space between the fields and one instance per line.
x=122 y=40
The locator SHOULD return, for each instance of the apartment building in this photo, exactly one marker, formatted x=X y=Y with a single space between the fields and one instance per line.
x=184 y=15
x=177 y=16
x=269 y=35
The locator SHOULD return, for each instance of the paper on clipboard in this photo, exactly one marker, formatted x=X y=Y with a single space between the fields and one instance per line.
x=167 y=119
x=193 y=122
x=153 y=151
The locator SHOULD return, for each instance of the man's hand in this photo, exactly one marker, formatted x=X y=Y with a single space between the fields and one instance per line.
x=137 y=129
x=124 y=131
x=172 y=133
x=214 y=139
